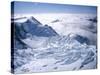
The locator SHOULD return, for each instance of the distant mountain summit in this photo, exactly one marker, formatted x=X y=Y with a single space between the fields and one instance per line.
x=31 y=27
x=32 y=20
x=34 y=27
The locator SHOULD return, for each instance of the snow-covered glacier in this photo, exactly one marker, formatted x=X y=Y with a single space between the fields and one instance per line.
x=54 y=42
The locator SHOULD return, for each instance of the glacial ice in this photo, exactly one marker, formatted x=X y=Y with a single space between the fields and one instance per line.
x=61 y=53
x=73 y=49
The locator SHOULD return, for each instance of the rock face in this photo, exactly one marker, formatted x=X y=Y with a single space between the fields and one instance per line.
x=31 y=27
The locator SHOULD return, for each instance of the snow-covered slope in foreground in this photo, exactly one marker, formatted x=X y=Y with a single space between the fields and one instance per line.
x=57 y=54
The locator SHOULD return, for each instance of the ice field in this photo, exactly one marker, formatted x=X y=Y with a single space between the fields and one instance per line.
x=54 y=42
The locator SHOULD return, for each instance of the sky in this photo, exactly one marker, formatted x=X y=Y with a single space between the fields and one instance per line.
x=38 y=8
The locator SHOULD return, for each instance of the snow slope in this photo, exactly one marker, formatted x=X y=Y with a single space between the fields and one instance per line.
x=72 y=44
x=59 y=53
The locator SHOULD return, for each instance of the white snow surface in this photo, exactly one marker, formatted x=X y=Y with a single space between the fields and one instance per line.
x=58 y=53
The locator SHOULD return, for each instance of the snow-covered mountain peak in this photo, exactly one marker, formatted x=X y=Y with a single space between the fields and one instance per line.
x=33 y=20
x=25 y=19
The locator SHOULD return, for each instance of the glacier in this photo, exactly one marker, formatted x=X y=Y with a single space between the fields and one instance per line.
x=59 y=53
x=54 y=43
